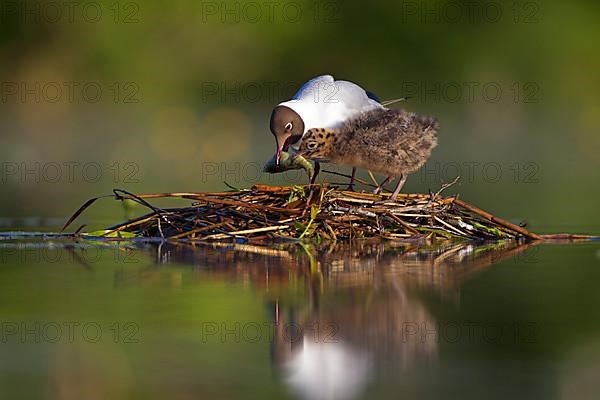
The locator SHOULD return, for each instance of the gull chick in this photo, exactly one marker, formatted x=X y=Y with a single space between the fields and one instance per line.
x=392 y=142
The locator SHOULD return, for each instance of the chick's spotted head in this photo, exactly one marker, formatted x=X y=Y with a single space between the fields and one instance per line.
x=316 y=144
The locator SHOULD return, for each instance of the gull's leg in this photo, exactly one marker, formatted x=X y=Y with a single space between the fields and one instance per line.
x=381 y=185
x=351 y=185
x=400 y=184
x=317 y=169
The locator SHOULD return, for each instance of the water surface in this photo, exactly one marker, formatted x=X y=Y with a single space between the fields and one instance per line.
x=89 y=319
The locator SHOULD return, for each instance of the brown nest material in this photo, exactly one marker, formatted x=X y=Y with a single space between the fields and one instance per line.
x=317 y=212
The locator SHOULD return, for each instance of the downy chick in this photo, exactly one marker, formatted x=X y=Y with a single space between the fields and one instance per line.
x=392 y=142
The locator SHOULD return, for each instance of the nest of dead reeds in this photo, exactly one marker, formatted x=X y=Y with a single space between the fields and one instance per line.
x=317 y=212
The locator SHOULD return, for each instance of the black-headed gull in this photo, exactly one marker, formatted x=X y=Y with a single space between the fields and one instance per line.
x=321 y=102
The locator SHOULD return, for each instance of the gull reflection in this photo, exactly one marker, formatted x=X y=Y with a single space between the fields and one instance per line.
x=327 y=370
x=342 y=346
x=359 y=321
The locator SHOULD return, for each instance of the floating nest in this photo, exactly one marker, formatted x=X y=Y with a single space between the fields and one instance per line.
x=316 y=212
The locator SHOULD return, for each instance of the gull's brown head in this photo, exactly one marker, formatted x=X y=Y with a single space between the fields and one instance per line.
x=287 y=126
x=317 y=144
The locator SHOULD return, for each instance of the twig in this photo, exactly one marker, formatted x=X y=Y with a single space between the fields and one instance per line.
x=497 y=220
x=248 y=231
x=349 y=177
x=444 y=187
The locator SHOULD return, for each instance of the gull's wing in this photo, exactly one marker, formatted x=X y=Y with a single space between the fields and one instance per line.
x=327 y=91
x=309 y=88
x=355 y=98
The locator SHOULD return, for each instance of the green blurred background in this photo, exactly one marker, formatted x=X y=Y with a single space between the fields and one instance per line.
x=154 y=97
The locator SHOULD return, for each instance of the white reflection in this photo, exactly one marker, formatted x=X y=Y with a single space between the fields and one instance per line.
x=320 y=370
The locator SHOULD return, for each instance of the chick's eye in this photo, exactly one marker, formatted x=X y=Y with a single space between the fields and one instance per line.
x=311 y=145
x=288 y=126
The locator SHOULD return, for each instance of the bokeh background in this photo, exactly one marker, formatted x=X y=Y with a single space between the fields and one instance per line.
x=154 y=97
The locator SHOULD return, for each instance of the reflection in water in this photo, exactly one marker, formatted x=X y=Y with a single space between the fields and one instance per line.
x=361 y=315
x=327 y=369
x=360 y=335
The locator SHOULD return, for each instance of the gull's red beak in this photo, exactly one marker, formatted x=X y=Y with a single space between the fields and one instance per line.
x=280 y=146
